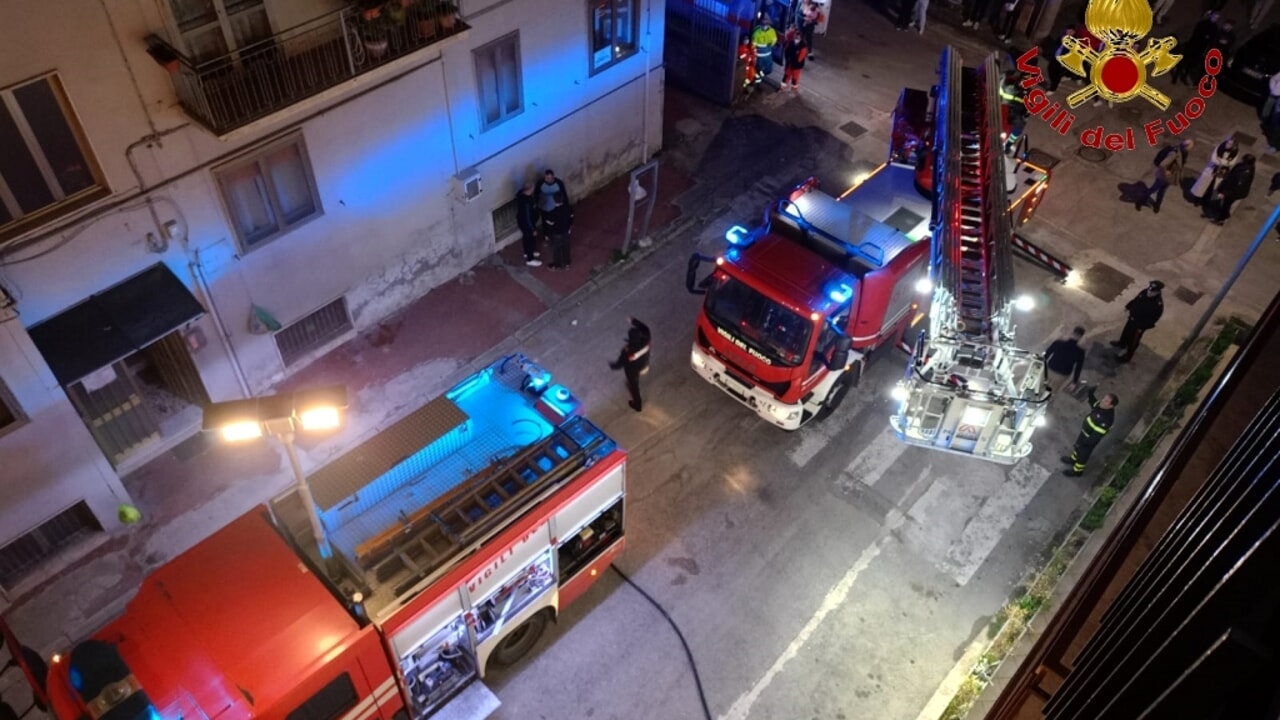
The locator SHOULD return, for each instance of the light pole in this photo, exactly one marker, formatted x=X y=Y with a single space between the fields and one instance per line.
x=282 y=416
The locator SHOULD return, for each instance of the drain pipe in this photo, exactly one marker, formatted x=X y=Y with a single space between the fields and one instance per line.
x=644 y=102
x=197 y=271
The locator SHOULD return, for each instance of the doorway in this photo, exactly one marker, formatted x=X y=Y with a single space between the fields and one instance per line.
x=141 y=399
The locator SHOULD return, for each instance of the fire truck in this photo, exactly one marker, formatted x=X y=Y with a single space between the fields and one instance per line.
x=457 y=533
x=969 y=389
x=795 y=306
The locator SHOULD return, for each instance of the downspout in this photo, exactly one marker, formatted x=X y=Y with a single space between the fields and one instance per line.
x=197 y=271
x=644 y=102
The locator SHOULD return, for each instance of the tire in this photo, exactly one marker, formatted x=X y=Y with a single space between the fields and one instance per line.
x=838 y=391
x=519 y=642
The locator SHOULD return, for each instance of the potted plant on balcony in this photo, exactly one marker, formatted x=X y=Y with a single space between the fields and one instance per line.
x=448 y=14
x=374 y=33
x=437 y=17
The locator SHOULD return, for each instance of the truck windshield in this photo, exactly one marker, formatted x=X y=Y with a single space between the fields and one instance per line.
x=770 y=331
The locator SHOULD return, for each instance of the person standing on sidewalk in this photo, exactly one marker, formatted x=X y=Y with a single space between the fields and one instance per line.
x=1145 y=310
x=919 y=14
x=1190 y=70
x=1008 y=18
x=559 y=223
x=1234 y=187
x=547 y=190
x=1102 y=415
x=764 y=37
x=527 y=221
x=809 y=22
x=976 y=13
x=633 y=360
x=1168 y=165
x=1064 y=360
x=1221 y=160
x=794 y=57
x=1273 y=94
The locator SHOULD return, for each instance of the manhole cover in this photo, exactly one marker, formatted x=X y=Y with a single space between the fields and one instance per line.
x=1187 y=295
x=1104 y=282
x=1093 y=155
x=1131 y=114
x=1042 y=159
x=853 y=129
x=1244 y=139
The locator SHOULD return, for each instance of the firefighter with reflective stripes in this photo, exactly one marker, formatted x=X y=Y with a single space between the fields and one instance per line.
x=633 y=360
x=1101 y=417
x=747 y=61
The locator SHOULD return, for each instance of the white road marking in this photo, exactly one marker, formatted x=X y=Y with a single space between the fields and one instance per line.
x=817 y=435
x=876 y=458
x=997 y=515
x=834 y=598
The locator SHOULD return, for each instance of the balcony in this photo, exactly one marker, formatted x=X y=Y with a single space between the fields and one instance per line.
x=233 y=90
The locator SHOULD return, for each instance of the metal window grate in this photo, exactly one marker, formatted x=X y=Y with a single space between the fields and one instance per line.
x=20 y=557
x=504 y=221
x=314 y=331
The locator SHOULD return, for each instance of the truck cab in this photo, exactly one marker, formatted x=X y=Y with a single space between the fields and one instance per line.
x=794 y=306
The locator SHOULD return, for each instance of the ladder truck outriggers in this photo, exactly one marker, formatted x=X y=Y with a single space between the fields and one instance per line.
x=456 y=534
x=969 y=389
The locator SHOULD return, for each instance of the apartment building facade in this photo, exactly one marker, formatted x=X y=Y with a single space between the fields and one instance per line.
x=198 y=197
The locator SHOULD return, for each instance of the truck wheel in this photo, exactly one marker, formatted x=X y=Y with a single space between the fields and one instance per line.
x=519 y=641
x=838 y=391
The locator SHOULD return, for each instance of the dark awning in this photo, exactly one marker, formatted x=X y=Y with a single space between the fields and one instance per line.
x=114 y=323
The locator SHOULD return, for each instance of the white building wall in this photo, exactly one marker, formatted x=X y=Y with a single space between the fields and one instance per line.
x=383 y=148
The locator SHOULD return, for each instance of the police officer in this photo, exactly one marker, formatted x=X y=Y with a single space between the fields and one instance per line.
x=1145 y=310
x=1101 y=417
x=633 y=360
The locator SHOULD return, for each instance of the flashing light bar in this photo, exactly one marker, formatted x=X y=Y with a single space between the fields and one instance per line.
x=840 y=292
x=736 y=235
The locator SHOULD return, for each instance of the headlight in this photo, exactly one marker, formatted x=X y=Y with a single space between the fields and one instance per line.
x=781 y=413
x=698 y=361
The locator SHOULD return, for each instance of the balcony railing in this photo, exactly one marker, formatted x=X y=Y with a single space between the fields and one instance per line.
x=233 y=90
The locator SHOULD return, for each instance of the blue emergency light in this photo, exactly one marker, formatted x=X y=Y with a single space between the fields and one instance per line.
x=736 y=235
x=840 y=292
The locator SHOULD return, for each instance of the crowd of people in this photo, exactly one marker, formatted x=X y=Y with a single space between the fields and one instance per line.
x=762 y=47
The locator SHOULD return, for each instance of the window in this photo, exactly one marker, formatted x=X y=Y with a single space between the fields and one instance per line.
x=333 y=699
x=10 y=414
x=44 y=159
x=614 y=27
x=498 y=80
x=20 y=557
x=504 y=221
x=212 y=28
x=314 y=331
x=269 y=193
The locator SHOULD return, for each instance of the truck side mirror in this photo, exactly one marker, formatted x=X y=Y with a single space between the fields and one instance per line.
x=691 y=275
x=840 y=354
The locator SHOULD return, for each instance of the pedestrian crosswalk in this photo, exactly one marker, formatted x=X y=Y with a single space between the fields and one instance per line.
x=957 y=510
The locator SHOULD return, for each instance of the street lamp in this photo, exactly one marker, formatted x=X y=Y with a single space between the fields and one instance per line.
x=282 y=416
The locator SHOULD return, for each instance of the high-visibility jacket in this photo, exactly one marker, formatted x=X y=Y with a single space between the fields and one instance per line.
x=764 y=37
x=1098 y=422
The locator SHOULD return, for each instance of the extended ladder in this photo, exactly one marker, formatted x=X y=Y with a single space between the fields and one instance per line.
x=968 y=388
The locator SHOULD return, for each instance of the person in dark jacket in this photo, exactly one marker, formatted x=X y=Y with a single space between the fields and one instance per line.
x=1145 y=310
x=1168 y=164
x=547 y=191
x=1191 y=69
x=1064 y=360
x=527 y=221
x=1102 y=415
x=1233 y=188
x=633 y=360
x=559 y=223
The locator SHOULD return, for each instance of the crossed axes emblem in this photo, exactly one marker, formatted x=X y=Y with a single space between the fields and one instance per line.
x=1118 y=73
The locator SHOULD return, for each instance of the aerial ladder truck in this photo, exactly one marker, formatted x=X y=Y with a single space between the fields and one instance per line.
x=969 y=389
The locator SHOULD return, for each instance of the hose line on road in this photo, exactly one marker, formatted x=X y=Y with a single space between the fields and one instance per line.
x=697 y=679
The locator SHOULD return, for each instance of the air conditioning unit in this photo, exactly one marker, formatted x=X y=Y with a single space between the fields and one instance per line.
x=469 y=185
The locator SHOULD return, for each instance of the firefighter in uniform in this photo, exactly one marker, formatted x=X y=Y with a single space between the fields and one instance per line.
x=1102 y=416
x=633 y=360
x=764 y=37
x=1014 y=97
x=747 y=61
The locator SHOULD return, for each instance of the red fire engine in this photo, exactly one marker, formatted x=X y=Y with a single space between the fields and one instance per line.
x=457 y=533
x=796 y=305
